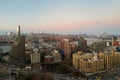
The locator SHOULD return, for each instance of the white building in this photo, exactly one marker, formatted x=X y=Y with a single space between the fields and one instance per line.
x=35 y=56
x=56 y=56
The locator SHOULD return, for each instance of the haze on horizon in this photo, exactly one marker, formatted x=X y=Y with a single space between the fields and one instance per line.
x=61 y=16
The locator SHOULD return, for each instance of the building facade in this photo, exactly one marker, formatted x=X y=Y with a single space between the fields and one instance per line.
x=98 y=46
x=65 y=46
x=56 y=56
x=35 y=58
x=112 y=60
x=82 y=44
x=35 y=55
x=18 y=50
x=90 y=64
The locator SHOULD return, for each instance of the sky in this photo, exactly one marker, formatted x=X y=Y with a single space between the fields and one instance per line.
x=61 y=16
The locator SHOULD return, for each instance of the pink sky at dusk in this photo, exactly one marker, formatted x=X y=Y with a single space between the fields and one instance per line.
x=61 y=16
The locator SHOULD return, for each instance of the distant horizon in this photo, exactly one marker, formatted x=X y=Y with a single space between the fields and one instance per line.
x=61 y=16
x=40 y=32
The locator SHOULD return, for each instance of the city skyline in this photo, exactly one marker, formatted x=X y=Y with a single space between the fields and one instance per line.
x=61 y=16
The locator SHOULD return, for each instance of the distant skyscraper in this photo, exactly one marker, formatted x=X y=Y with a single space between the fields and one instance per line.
x=65 y=46
x=18 y=49
x=18 y=30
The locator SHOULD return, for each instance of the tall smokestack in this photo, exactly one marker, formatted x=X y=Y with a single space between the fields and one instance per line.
x=18 y=30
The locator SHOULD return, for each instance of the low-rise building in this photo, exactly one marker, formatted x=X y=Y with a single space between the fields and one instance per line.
x=56 y=56
x=35 y=56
